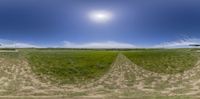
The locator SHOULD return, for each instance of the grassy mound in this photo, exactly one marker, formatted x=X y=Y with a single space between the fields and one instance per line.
x=71 y=66
x=163 y=61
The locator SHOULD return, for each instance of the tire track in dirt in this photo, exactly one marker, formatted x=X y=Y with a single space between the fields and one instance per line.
x=16 y=78
x=124 y=74
x=120 y=75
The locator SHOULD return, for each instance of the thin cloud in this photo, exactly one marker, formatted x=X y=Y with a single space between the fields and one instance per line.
x=14 y=44
x=107 y=44
x=184 y=43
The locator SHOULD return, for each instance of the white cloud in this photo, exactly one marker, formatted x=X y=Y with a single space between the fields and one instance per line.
x=13 y=44
x=179 y=43
x=107 y=44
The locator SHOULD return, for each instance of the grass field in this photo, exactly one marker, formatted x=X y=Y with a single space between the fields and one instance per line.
x=71 y=66
x=99 y=72
x=9 y=55
x=163 y=60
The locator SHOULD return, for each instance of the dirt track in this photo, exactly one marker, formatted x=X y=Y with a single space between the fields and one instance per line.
x=124 y=78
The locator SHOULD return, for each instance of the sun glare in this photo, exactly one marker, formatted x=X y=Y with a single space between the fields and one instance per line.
x=100 y=16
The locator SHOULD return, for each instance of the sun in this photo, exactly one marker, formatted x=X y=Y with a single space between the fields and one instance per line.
x=100 y=16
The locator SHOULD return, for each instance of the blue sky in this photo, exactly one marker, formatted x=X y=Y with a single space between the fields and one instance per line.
x=67 y=23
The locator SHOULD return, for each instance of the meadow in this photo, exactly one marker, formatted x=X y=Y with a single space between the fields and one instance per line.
x=80 y=72
x=76 y=65
x=70 y=66
x=163 y=60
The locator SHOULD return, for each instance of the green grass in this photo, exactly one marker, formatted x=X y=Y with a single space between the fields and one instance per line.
x=7 y=49
x=71 y=66
x=12 y=55
x=163 y=60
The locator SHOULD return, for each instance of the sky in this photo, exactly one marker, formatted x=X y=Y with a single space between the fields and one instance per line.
x=99 y=23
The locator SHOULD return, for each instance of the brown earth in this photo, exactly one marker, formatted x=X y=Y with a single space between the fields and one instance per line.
x=123 y=79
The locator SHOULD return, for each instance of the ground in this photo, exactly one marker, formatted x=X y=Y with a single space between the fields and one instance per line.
x=123 y=80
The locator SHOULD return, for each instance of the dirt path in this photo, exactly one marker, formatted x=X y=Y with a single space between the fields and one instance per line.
x=120 y=75
x=16 y=78
x=123 y=79
x=125 y=76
